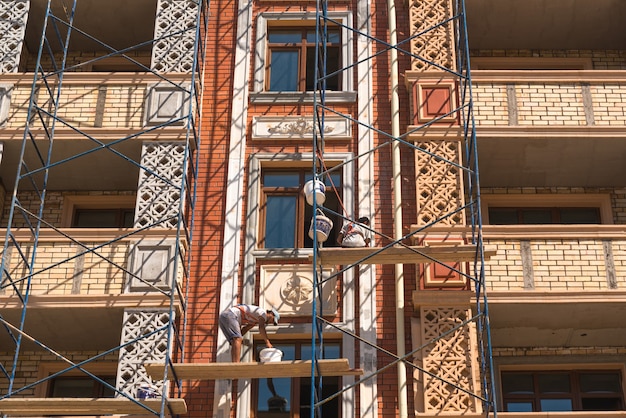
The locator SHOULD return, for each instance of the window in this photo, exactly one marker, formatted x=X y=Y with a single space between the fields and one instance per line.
x=285 y=63
x=81 y=387
x=547 y=209
x=291 y=58
x=103 y=218
x=291 y=397
x=100 y=211
x=285 y=215
x=526 y=216
x=584 y=390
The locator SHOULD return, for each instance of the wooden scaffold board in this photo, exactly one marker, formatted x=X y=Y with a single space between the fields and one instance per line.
x=86 y=406
x=253 y=370
x=400 y=255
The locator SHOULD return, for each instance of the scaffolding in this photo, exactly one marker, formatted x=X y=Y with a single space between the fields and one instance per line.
x=395 y=249
x=159 y=152
x=39 y=162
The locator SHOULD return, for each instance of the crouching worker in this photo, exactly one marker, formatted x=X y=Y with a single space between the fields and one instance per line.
x=355 y=234
x=236 y=321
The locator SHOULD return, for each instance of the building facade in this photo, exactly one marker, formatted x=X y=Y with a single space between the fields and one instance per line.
x=162 y=149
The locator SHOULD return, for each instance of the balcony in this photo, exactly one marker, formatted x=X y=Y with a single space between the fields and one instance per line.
x=79 y=287
x=556 y=285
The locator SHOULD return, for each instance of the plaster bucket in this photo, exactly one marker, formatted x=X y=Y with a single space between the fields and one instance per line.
x=317 y=189
x=147 y=391
x=268 y=355
x=322 y=225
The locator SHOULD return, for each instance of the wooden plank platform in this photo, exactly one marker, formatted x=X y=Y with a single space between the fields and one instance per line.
x=253 y=370
x=400 y=255
x=85 y=406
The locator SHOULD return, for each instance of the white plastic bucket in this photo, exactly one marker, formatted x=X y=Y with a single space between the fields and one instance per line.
x=315 y=188
x=322 y=225
x=268 y=355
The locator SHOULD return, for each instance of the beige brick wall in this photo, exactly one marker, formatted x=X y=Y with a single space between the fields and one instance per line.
x=601 y=59
x=30 y=361
x=53 y=210
x=617 y=195
x=490 y=104
x=78 y=57
x=57 y=271
x=499 y=352
x=504 y=271
x=609 y=103
x=553 y=104
x=123 y=105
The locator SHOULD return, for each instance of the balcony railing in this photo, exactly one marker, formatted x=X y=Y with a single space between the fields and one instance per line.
x=552 y=98
x=92 y=262
x=111 y=101
x=556 y=257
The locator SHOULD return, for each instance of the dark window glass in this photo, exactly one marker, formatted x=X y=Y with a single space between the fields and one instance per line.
x=81 y=387
x=103 y=218
x=535 y=216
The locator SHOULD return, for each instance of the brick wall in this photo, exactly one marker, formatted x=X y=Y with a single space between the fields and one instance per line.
x=601 y=59
x=31 y=361
x=83 y=106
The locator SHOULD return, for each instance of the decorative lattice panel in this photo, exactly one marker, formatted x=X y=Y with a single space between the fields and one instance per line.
x=439 y=183
x=431 y=42
x=160 y=179
x=174 y=35
x=13 y=17
x=449 y=359
x=144 y=348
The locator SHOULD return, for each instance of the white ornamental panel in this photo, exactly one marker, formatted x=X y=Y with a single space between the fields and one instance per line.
x=174 y=36
x=13 y=17
x=160 y=180
x=145 y=345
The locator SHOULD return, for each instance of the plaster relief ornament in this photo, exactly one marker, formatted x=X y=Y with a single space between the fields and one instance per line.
x=296 y=290
x=300 y=127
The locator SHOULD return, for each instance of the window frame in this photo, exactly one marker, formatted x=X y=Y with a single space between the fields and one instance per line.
x=268 y=20
x=102 y=370
x=73 y=202
x=570 y=200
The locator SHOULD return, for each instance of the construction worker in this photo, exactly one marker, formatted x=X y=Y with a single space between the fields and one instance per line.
x=236 y=321
x=354 y=234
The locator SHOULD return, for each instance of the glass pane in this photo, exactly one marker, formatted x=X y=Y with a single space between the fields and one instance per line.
x=332 y=65
x=329 y=351
x=281 y=179
x=517 y=383
x=72 y=388
x=600 y=383
x=332 y=36
x=106 y=391
x=129 y=219
x=284 y=70
x=601 y=404
x=274 y=399
x=96 y=218
x=280 y=222
x=536 y=216
x=503 y=216
x=519 y=407
x=580 y=216
x=556 y=404
x=554 y=383
x=285 y=37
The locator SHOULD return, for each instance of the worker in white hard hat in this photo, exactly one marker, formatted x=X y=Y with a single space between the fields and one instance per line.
x=236 y=321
